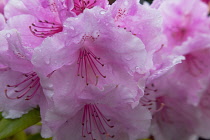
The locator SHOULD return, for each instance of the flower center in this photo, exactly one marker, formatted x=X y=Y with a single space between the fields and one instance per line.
x=45 y=28
x=88 y=63
x=30 y=84
x=150 y=101
x=80 y=5
x=93 y=119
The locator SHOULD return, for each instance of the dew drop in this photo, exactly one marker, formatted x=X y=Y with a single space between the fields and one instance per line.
x=102 y=12
x=71 y=27
x=128 y=57
x=126 y=3
x=8 y=35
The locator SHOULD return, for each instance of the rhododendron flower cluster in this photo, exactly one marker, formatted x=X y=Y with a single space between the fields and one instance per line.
x=96 y=71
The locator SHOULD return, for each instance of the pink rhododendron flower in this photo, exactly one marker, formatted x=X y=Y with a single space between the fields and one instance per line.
x=146 y=23
x=181 y=22
x=142 y=21
x=99 y=58
x=173 y=117
x=34 y=23
x=177 y=120
x=2 y=5
x=91 y=58
x=18 y=81
x=99 y=114
x=124 y=71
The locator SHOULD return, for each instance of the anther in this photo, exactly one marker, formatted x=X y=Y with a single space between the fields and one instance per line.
x=29 y=84
x=94 y=119
x=45 y=28
x=89 y=63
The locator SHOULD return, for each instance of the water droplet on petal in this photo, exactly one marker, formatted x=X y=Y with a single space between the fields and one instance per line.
x=126 y=3
x=102 y=12
x=8 y=35
x=128 y=57
x=71 y=27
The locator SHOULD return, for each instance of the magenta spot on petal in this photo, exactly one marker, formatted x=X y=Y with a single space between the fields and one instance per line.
x=81 y=5
x=206 y=1
x=120 y=14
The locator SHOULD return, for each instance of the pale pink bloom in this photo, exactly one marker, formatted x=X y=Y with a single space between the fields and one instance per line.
x=173 y=117
x=177 y=119
x=146 y=23
x=181 y=22
x=98 y=114
x=89 y=57
x=20 y=86
x=142 y=21
x=85 y=64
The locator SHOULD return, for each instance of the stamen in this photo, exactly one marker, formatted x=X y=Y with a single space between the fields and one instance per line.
x=92 y=120
x=149 y=100
x=81 y=5
x=45 y=28
x=87 y=64
x=28 y=85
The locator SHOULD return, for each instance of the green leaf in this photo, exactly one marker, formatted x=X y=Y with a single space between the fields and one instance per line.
x=1 y=115
x=9 y=127
x=20 y=136
x=37 y=137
